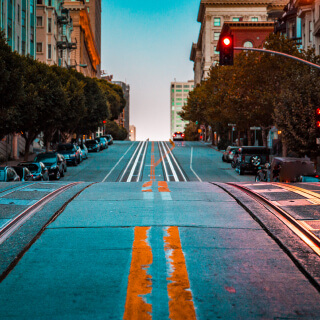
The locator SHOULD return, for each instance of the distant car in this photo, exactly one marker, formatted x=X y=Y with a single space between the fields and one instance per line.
x=310 y=178
x=84 y=151
x=251 y=158
x=178 y=136
x=103 y=142
x=109 y=138
x=227 y=156
x=70 y=153
x=8 y=174
x=39 y=171
x=54 y=162
x=92 y=145
x=24 y=173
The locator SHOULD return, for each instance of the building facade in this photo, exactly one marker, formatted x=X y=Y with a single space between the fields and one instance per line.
x=54 y=28
x=18 y=21
x=179 y=92
x=85 y=58
x=213 y=14
x=132 y=133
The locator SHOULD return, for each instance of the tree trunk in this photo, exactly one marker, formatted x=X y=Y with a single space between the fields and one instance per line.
x=284 y=148
x=265 y=136
x=249 y=137
x=27 y=149
x=238 y=143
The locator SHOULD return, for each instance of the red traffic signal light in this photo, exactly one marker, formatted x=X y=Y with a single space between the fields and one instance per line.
x=317 y=120
x=226 y=50
x=318 y=111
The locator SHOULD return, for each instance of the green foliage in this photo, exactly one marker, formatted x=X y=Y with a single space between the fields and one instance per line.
x=117 y=132
x=39 y=98
x=262 y=90
x=191 y=132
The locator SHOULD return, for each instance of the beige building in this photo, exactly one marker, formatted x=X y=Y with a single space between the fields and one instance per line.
x=132 y=133
x=212 y=15
x=178 y=98
x=85 y=58
x=54 y=27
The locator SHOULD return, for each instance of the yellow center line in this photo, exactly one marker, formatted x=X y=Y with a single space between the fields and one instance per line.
x=313 y=196
x=140 y=282
x=181 y=305
x=163 y=186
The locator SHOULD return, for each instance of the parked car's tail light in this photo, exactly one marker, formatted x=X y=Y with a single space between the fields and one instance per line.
x=182 y=135
x=243 y=158
x=174 y=135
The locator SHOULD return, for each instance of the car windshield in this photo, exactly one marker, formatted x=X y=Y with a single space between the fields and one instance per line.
x=65 y=147
x=32 y=167
x=2 y=175
x=91 y=142
x=19 y=171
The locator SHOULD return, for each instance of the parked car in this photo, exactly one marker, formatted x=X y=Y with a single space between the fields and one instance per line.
x=178 y=136
x=109 y=138
x=235 y=154
x=70 y=153
x=84 y=151
x=39 y=171
x=8 y=174
x=251 y=158
x=92 y=145
x=54 y=163
x=227 y=156
x=103 y=143
x=80 y=153
x=24 y=173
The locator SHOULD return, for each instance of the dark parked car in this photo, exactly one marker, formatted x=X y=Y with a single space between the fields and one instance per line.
x=178 y=136
x=109 y=138
x=228 y=154
x=103 y=142
x=38 y=169
x=54 y=162
x=8 y=174
x=70 y=153
x=93 y=145
x=24 y=173
x=251 y=158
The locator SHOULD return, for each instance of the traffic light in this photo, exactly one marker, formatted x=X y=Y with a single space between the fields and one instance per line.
x=318 y=121
x=226 y=50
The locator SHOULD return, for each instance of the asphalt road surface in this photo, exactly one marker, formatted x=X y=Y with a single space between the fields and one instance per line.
x=154 y=230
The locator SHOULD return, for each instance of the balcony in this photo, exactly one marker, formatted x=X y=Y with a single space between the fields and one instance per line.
x=62 y=45
x=317 y=28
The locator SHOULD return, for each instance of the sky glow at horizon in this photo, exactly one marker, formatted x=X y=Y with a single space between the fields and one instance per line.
x=148 y=45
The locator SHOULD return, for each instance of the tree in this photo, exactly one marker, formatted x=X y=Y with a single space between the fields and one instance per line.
x=11 y=89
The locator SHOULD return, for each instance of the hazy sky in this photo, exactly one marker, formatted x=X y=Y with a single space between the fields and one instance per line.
x=147 y=44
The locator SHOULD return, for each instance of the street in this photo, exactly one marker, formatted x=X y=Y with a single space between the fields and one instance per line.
x=159 y=230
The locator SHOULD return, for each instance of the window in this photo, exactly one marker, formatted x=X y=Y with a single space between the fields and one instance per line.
x=88 y=9
x=49 y=25
x=49 y=3
x=31 y=6
x=254 y=19
x=23 y=18
x=18 y=10
x=216 y=36
x=32 y=34
x=215 y=50
x=178 y=90
x=186 y=90
x=23 y=47
x=49 y=51
x=39 y=21
x=248 y=44
x=39 y=46
x=235 y=19
x=217 y=22
x=39 y=1
x=9 y=28
x=178 y=86
x=18 y=44
x=186 y=86
x=310 y=31
x=179 y=99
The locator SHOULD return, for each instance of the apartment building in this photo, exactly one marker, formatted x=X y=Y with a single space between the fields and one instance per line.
x=178 y=98
x=18 y=21
x=213 y=14
x=85 y=58
x=54 y=28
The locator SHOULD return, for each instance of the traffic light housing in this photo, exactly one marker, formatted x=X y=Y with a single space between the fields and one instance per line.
x=226 y=50
x=318 y=121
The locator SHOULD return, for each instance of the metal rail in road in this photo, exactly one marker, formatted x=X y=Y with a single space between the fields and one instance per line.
x=13 y=224
x=298 y=227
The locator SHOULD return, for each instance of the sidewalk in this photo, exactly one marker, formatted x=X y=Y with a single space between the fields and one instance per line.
x=21 y=159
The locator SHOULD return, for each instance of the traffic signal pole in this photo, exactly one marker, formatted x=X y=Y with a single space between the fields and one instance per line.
x=280 y=54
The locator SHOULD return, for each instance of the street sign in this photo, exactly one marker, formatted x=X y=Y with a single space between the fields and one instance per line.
x=202 y=126
x=232 y=125
x=255 y=128
x=318 y=140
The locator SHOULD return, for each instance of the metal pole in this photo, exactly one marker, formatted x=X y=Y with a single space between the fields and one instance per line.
x=255 y=136
x=280 y=54
x=232 y=136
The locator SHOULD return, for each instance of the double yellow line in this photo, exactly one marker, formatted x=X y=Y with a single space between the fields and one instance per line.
x=181 y=305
